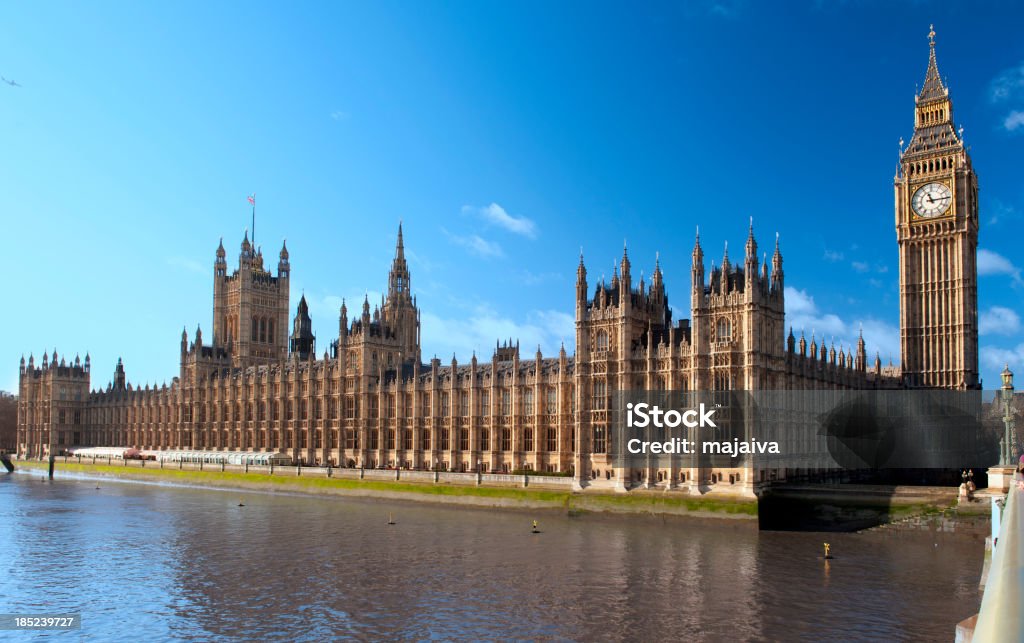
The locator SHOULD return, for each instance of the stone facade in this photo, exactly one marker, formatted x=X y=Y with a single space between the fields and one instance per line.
x=8 y=422
x=371 y=401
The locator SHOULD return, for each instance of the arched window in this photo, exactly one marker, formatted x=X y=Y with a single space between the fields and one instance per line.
x=724 y=331
x=602 y=340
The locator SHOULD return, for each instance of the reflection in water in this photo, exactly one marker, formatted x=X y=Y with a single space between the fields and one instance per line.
x=182 y=563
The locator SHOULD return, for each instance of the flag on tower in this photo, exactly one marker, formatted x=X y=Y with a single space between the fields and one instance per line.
x=252 y=201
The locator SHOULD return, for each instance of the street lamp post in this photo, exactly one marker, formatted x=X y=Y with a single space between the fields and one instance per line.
x=1009 y=450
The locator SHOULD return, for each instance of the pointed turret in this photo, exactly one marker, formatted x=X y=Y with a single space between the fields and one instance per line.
x=862 y=354
x=120 y=381
x=933 y=112
x=932 y=89
x=343 y=322
x=777 y=274
x=399 y=278
x=283 y=265
x=751 y=247
x=657 y=278
x=697 y=271
x=750 y=264
x=627 y=281
x=581 y=285
x=303 y=341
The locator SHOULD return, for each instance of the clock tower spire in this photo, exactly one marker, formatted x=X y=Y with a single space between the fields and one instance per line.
x=936 y=204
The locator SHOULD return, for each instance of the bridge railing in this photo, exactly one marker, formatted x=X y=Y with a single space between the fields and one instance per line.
x=1001 y=617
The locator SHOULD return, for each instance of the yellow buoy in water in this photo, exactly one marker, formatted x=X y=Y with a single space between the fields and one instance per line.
x=828 y=547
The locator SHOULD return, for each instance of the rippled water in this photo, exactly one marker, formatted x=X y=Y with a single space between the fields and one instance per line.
x=179 y=563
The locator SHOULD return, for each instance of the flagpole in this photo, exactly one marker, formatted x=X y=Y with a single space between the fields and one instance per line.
x=253 y=219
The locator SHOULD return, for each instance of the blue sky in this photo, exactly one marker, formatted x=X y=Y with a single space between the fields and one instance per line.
x=505 y=135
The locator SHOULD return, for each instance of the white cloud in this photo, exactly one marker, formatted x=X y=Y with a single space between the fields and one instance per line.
x=993 y=263
x=1008 y=85
x=484 y=326
x=478 y=245
x=861 y=266
x=496 y=215
x=535 y=279
x=833 y=256
x=996 y=358
x=998 y=321
x=728 y=9
x=339 y=115
x=803 y=315
x=1001 y=211
x=187 y=264
x=1013 y=120
x=798 y=302
x=1008 y=88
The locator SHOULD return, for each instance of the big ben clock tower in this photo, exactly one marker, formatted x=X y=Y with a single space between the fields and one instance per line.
x=937 y=230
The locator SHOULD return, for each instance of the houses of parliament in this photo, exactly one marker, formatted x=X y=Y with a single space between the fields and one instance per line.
x=366 y=398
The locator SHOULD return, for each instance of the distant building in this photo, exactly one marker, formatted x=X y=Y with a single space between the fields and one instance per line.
x=371 y=401
x=8 y=422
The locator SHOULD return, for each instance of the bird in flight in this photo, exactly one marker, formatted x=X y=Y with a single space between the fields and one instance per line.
x=11 y=82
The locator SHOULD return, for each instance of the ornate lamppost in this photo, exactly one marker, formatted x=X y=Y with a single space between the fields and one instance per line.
x=1009 y=441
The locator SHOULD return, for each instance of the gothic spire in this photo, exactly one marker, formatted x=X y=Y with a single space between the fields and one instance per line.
x=400 y=245
x=303 y=341
x=398 y=278
x=933 y=89
x=751 y=247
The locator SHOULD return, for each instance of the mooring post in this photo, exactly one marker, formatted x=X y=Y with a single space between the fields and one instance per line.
x=53 y=460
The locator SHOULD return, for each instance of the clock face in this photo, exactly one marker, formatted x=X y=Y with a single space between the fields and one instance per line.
x=932 y=200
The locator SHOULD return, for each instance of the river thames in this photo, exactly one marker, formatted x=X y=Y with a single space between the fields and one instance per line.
x=177 y=563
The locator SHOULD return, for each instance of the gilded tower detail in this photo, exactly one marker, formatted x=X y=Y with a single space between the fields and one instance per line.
x=937 y=230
